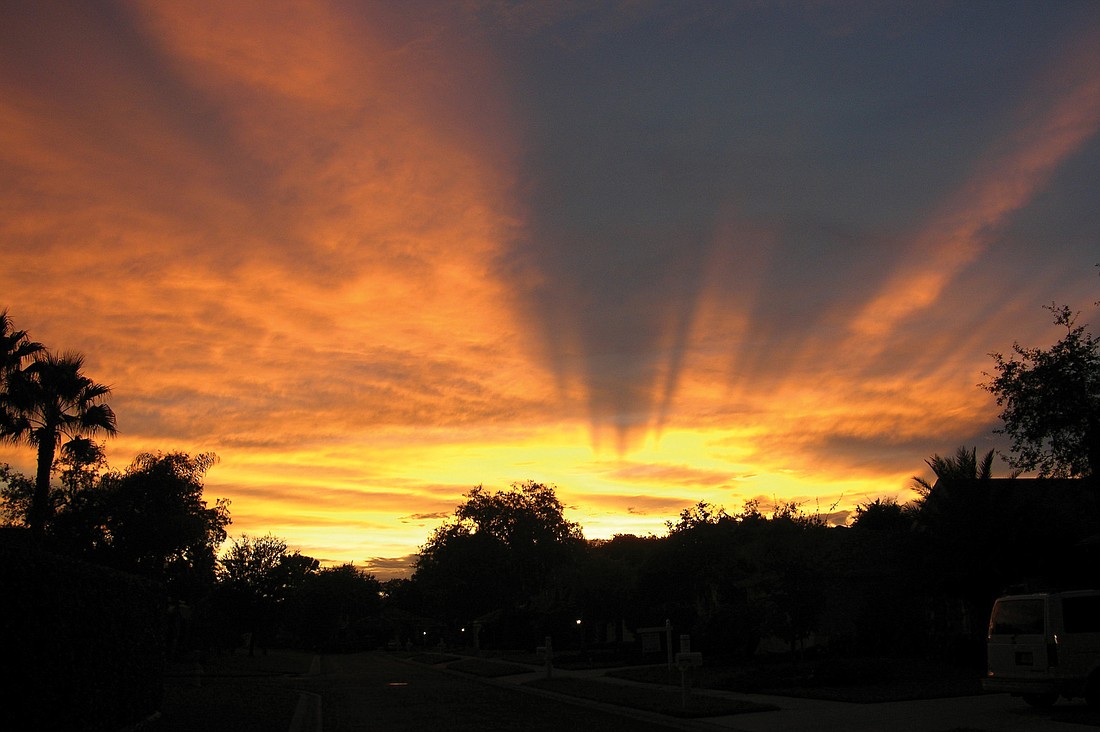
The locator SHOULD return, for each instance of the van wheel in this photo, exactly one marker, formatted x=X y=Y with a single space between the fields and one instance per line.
x=1042 y=701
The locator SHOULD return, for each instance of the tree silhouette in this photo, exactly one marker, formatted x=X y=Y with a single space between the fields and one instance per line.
x=157 y=523
x=963 y=465
x=499 y=552
x=15 y=347
x=885 y=514
x=528 y=521
x=46 y=402
x=79 y=465
x=338 y=608
x=256 y=577
x=1051 y=402
x=264 y=567
x=16 y=490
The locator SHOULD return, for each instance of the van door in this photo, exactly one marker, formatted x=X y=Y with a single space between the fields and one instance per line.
x=1017 y=645
x=1079 y=641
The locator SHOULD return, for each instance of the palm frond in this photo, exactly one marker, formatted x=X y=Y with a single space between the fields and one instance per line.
x=985 y=468
x=921 y=486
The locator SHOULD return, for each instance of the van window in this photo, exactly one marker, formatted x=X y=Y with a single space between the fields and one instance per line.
x=1017 y=617
x=1081 y=614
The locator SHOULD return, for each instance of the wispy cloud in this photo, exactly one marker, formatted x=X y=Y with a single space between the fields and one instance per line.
x=1059 y=111
x=663 y=474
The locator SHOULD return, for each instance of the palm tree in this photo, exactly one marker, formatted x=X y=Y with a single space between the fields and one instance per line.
x=15 y=350
x=15 y=347
x=962 y=465
x=49 y=401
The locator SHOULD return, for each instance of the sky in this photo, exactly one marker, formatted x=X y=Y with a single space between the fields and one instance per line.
x=374 y=254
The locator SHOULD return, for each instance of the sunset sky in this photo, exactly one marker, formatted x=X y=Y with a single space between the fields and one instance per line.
x=373 y=254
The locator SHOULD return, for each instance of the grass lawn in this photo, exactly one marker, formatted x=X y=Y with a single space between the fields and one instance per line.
x=488 y=669
x=1075 y=713
x=233 y=692
x=861 y=681
x=227 y=706
x=432 y=658
x=661 y=701
x=273 y=663
x=577 y=660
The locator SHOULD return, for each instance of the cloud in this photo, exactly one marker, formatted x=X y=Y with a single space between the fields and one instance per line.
x=663 y=474
x=1061 y=112
x=373 y=256
x=283 y=520
x=306 y=243
x=653 y=231
x=422 y=517
x=385 y=568
x=659 y=506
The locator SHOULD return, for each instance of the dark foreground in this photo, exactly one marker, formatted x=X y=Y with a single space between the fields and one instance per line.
x=300 y=692
x=367 y=691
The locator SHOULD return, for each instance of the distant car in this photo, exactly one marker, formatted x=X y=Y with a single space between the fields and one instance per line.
x=1044 y=645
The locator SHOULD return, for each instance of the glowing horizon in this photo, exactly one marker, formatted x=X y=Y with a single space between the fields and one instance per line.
x=375 y=255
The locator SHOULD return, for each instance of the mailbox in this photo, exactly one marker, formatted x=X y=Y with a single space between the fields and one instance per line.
x=685 y=660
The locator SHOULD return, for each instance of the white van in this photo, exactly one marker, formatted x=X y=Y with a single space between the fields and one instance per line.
x=1045 y=645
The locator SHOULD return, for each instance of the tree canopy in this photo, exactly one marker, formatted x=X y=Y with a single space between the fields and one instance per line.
x=528 y=520
x=499 y=551
x=155 y=521
x=1050 y=402
x=256 y=577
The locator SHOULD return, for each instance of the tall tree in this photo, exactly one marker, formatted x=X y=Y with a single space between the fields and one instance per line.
x=528 y=520
x=16 y=348
x=156 y=522
x=1051 y=402
x=79 y=465
x=498 y=552
x=256 y=577
x=260 y=565
x=49 y=402
x=338 y=608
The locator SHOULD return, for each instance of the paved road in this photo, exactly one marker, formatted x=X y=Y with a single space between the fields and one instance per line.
x=373 y=692
x=376 y=692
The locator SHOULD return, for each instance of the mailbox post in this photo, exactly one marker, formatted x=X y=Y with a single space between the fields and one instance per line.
x=668 y=642
x=548 y=652
x=684 y=661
